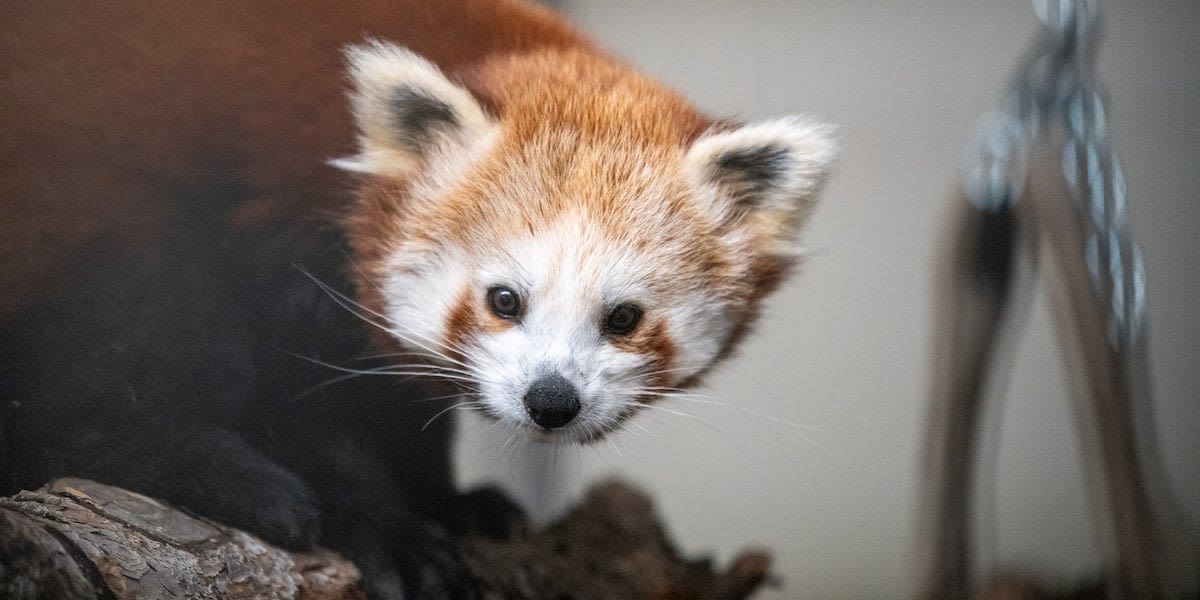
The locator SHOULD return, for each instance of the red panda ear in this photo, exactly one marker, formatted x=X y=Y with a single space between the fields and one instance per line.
x=762 y=179
x=406 y=111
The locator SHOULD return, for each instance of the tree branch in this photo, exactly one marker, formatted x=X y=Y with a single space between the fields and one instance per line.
x=78 y=539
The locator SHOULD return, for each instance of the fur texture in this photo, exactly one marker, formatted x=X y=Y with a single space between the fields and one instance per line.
x=581 y=188
x=195 y=304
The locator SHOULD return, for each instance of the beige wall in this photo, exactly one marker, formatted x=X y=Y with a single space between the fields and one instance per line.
x=812 y=451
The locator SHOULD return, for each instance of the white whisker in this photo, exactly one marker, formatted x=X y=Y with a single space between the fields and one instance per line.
x=431 y=371
x=386 y=324
x=464 y=405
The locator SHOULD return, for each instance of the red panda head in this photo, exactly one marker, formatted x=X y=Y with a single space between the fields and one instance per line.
x=565 y=238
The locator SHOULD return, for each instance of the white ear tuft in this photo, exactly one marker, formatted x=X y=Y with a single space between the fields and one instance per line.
x=406 y=110
x=764 y=177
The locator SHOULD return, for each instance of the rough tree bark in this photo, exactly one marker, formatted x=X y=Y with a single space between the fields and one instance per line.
x=77 y=539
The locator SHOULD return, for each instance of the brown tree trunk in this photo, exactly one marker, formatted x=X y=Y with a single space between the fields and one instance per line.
x=78 y=539
x=75 y=539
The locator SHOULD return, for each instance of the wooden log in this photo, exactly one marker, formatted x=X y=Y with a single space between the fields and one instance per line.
x=611 y=547
x=78 y=539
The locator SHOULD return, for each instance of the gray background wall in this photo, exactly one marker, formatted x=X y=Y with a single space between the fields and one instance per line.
x=812 y=450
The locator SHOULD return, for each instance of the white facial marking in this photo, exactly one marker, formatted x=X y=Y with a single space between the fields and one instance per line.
x=569 y=277
x=423 y=287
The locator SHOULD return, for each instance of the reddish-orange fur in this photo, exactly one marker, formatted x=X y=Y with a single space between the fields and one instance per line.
x=254 y=79
x=100 y=94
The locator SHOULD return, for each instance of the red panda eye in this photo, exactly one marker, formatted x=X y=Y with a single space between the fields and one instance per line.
x=623 y=320
x=504 y=302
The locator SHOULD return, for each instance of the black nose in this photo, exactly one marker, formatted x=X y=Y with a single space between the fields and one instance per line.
x=552 y=401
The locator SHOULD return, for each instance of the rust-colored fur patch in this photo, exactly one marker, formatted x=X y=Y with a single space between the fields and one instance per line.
x=651 y=339
x=469 y=317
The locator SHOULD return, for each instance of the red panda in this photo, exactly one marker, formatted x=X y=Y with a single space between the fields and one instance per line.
x=574 y=243
x=200 y=236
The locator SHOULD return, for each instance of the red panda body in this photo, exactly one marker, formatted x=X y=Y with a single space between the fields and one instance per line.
x=196 y=298
x=106 y=103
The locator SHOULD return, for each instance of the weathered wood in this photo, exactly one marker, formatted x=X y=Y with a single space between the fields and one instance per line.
x=78 y=539
x=75 y=538
x=611 y=547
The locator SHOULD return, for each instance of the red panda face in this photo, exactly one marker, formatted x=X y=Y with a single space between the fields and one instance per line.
x=578 y=251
